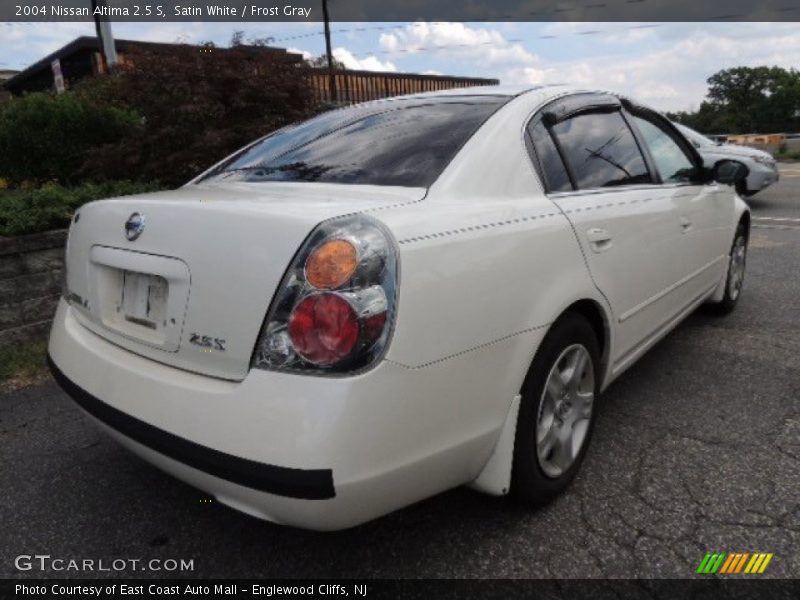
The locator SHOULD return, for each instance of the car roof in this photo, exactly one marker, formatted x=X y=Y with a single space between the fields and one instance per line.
x=544 y=93
x=491 y=90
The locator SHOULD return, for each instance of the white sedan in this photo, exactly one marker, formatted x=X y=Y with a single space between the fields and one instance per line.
x=394 y=299
x=762 y=168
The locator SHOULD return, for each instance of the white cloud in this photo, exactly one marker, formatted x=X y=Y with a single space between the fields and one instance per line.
x=306 y=55
x=447 y=40
x=370 y=63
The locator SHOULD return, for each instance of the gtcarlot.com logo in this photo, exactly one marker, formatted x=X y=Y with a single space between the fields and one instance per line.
x=45 y=562
x=732 y=563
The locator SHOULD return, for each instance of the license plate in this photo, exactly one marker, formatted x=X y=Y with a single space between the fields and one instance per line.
x=144 y=299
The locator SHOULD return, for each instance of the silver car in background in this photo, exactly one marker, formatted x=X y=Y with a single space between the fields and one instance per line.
x=762 y=167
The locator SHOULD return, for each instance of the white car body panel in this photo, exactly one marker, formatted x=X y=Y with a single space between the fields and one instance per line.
x=488 y=262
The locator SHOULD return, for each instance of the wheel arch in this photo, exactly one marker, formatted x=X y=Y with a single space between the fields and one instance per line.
x=495 y=477
x=600 y=320
x=744 y=220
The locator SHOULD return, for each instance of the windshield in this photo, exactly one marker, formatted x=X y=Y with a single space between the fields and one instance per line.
x=402 y=142
x=698 y=139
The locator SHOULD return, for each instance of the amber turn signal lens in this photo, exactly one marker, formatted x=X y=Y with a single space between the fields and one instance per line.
x=332 y=264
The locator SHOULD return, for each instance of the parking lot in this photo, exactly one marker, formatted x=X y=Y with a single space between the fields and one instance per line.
x=697 y=449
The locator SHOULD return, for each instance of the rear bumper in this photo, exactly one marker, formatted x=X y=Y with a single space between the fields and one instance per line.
x=314 y=484
x=313 y=452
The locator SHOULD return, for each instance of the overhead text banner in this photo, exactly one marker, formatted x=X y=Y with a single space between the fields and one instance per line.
x=401 y=10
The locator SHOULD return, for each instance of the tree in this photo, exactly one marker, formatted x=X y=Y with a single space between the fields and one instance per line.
x=198 y=105
x=237 y=39
x=748 y=99
x=321 y=61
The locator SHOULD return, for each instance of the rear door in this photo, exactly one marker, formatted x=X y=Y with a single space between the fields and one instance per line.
x=628 y=227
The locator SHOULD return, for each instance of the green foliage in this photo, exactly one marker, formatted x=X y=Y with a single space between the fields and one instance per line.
x=52 y=206
x=238 y=39
x=45 y=137
x=198 y=106
x=748 y=100
x=788 y=155
x=321 y=61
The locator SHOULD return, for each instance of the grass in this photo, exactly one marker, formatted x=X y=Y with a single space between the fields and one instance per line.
x=23 y=364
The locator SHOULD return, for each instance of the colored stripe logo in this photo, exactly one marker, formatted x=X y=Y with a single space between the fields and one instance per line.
x=731 y=563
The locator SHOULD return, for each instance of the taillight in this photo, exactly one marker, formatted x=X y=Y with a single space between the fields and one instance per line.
x=323 y=329
x=334 y=309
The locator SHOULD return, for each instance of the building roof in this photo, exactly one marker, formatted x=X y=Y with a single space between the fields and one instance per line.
x=92 y=43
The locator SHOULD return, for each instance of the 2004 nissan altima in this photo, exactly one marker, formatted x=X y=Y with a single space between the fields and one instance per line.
x=394 y=299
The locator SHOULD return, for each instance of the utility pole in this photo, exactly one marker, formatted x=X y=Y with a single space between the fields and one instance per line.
x=331 y=73
x=102 y=25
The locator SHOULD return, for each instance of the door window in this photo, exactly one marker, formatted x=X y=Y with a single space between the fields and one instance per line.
x=672 y=162
x=601 y=151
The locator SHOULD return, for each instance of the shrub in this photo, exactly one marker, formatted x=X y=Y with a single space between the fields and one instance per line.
x=52 y=206
x=45 y=137
x=787 y=155
x=198 y=106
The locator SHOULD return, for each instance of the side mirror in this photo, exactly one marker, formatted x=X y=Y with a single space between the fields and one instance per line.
x=729 y=172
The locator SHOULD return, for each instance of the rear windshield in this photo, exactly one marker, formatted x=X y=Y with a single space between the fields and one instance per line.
x=403 y=142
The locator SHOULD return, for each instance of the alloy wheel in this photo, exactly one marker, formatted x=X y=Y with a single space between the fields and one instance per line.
x=736 y=268
x=565 y=411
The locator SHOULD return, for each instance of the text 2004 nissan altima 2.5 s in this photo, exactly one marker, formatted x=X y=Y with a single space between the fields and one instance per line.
x=394 y=299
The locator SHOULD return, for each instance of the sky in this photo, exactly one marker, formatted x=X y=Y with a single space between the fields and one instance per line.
x=665 y=65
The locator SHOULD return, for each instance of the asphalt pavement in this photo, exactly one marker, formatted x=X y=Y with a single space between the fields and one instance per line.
x=696 y=449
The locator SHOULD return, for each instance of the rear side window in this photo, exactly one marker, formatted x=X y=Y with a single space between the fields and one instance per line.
x=552 y=167
x=403 y=143
x=601 y=150
x=672 y=162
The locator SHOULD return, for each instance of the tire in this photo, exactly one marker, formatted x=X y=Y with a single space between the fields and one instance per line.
x=549 y=417
x=734 y=278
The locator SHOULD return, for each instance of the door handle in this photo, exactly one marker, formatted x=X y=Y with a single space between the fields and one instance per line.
x=686 y=224
x=600 y=240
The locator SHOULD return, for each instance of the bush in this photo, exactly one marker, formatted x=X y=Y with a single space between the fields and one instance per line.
x=52 y=206
x=198 y=106
x=787 y=155
x=45 y=137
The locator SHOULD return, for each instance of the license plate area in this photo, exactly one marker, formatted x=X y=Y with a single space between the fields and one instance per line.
x=144 y=299
x=137 y=298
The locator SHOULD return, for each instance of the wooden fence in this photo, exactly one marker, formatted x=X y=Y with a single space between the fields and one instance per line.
x=362 y=86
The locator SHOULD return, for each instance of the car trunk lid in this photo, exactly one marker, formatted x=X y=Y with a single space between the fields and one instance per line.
x=192 y=289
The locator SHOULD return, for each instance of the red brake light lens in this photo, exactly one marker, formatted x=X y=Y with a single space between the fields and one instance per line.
x=324 y=329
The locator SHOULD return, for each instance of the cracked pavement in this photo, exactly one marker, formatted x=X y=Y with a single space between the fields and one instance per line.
x=696 y=449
